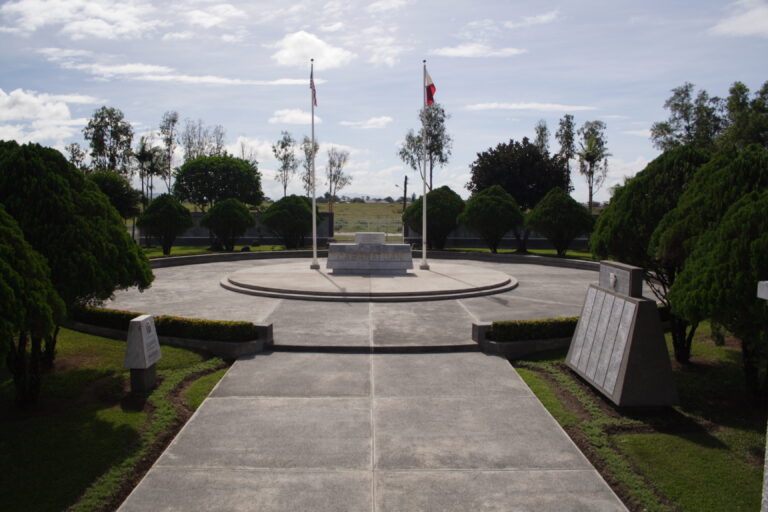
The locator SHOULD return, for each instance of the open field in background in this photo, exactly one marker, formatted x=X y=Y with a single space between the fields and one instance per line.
x=89 y=437
x=705 y=455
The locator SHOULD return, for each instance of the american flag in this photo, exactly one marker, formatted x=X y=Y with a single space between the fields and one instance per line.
x=312 y=86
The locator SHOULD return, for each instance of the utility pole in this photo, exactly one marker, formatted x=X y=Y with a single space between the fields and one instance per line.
x=405 y=193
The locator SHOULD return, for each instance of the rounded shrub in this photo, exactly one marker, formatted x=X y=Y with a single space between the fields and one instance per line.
x=443 y=207
x=492 y=213
x=228 y=220
x=118 y=190
x=560 y=218
x=165 y=218
x=290 y=219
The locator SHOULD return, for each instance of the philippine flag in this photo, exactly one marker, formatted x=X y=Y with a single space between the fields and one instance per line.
x=430 y=87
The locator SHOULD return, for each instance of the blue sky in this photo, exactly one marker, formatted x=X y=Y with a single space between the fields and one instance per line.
x=499 y=67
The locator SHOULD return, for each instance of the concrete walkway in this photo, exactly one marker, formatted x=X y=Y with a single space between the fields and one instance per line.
x=318 y=431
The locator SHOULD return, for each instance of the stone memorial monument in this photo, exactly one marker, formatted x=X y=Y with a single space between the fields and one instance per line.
x=618 y=345
x=142 y=352
x=369 y=255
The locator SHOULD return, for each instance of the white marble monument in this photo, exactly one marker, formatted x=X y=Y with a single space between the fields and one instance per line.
x=369 y=255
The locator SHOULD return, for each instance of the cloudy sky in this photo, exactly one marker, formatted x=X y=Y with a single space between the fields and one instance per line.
x=499 y=67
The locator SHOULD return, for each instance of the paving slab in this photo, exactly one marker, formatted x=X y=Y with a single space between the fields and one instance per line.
x=470 y=433
x=306 y=433
x=224 y=490
x=421 y=324
x=303 y=323
x=494 y=491
x=288 y=374
x=441 y=375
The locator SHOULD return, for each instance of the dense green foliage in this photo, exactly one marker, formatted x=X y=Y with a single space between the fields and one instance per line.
x=727 y=177
x=68 y=220
x=206 y=180
x=118 y=190
x=720 y=282
x=443 y=208
x=523 y=171
x=290 y=219
x=625 y=229
x=560 y=218
x=165 y=218
x=492 y=213
x=228 y=220
x=29 y=308
x=538 y=329
x=174 y=326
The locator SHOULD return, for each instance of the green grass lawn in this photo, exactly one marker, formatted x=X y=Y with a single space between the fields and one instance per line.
x=86 y=435
x=704 y=455
x=571 y=254
x=189 y=250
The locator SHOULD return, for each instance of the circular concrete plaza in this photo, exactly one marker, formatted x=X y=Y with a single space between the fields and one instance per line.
x=520 y=291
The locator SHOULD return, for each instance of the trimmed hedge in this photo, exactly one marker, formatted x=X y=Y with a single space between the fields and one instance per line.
x=539 y=329
x=174 y=326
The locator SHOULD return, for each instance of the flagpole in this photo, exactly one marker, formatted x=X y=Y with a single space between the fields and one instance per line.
x=314 y=265
x=424 y=265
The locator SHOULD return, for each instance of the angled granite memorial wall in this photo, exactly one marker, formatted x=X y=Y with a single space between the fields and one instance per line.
x=618 y=345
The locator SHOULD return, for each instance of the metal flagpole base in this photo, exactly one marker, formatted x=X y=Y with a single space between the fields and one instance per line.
x=424 y=266
x=315 y=266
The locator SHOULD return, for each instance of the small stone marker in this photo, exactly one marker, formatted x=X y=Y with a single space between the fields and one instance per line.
x=618 y=345
x=762 y=293
x=142 y=352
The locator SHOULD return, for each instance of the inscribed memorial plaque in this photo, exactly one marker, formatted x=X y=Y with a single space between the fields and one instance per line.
x=143 y=347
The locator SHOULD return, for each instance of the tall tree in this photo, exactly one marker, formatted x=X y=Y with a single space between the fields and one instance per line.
x=209 y=179
x=283 y=150
x=310 y=152
x=76 y=156
x=168 y=131
x=747 y=118
x=200 y=140
x=566 y=136
x=541 y=140
x=110 y=137
x=334 y=173
x=84 y=241
x=521 y=170
x=150 y=161
x=694 y=121
x=593 y=156
x=438 y=143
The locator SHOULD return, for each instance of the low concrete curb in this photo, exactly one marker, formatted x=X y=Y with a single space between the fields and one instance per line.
x=223 y=349
x=512 y=349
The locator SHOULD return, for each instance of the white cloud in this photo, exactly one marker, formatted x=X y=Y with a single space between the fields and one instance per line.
x=750 y=18
x=539 y=19
x=476 y=50
x=178 y=36
x=297 y=48
x=386 y=5
x=292 y=116
x=151 y=72
x=79 y=19
x=214 y=16
x=369 y=124
x=38 y=117
x=540 y=107
x=332 y=27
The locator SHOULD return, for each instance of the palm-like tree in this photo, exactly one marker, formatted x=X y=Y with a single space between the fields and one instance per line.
x=593 y=164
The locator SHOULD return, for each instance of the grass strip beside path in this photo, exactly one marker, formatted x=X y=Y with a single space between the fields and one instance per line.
x=704 y=455
x=83 y=443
